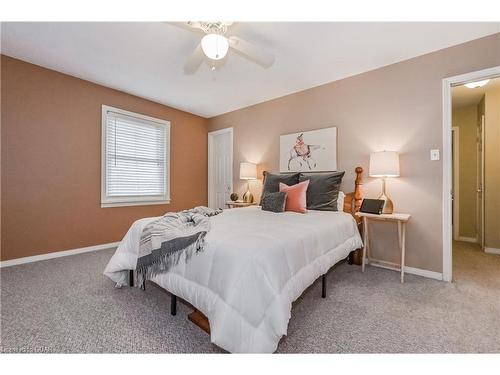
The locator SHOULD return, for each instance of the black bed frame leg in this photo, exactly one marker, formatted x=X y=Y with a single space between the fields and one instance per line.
x=350 y=258
x=131 y=278
x=173 y=304
x=323 y=286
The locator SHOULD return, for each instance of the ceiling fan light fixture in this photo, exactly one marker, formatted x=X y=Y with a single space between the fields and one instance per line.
x=215 y=46
x=475 y=85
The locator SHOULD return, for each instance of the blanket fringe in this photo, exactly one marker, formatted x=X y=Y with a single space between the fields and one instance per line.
x=167 y=261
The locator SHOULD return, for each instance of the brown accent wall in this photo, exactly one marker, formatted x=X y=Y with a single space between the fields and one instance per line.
x=51 y=161
x=397 y=107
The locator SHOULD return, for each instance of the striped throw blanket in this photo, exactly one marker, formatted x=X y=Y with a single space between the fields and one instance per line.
x=165 y=240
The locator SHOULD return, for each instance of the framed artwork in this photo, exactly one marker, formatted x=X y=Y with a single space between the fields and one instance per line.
x=309 y=151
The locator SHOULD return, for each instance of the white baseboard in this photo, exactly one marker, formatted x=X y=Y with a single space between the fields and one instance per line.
x=467 y=239
x=424 y=273
x=410 y=270
x=57 y=254
x=492 y=250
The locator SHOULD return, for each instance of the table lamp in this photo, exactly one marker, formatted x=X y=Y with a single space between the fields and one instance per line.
x=248 y=171
x=384 y=164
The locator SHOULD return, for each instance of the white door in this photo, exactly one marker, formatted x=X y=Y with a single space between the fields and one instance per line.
x=220 y=167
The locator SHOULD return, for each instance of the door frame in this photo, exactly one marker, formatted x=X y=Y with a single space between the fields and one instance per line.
x=480 y=183
x=210 y=159
x=447 y=84
x=456 y=182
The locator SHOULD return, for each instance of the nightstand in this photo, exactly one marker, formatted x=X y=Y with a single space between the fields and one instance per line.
x=237 y=204
x=400 y=219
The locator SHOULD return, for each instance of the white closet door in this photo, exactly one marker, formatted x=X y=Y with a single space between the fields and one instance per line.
x=220 y=168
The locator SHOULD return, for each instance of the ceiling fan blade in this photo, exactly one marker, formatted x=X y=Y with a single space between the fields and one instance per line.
x=193 y=26
x=232 y=26
x=194 y=61
x=251 y=51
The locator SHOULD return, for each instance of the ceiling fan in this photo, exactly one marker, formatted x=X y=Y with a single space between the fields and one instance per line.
x=215 y=45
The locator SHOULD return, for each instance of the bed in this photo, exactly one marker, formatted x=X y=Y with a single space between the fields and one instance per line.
x=254 y=265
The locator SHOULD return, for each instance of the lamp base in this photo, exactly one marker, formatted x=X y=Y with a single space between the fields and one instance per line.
x=388 y=206
x=248 y=197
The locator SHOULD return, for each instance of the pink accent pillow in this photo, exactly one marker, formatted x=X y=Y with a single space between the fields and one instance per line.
x=295 y=196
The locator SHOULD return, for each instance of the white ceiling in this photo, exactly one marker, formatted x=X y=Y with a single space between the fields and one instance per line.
x=463 y=96
x=146 y=59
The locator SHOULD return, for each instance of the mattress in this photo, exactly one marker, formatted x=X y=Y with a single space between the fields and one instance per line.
x=254 y=265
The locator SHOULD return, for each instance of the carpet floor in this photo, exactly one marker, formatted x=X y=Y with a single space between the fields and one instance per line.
x=67 y=305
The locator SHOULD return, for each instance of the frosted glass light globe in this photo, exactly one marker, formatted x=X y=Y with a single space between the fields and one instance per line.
x=215 y=46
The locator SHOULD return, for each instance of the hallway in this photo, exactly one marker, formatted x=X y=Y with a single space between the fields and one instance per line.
x=471 y=265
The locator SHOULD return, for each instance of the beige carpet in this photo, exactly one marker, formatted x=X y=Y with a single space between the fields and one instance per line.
x=472 y=265
x=66 y=305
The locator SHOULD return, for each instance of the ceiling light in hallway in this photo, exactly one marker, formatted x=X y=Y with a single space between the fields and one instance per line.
x=475 y=85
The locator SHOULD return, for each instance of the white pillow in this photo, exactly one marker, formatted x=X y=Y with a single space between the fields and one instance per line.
x=340 y=201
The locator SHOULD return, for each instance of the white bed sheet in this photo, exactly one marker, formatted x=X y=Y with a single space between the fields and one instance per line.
x=255 y=264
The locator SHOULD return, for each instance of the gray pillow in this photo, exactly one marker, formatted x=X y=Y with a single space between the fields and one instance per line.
x=323 y=190
x=272 y=182
x=274 y=202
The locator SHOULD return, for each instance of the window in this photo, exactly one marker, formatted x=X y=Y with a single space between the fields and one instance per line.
x=135 y=159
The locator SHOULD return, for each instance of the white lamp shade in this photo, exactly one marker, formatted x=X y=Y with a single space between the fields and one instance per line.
x=384 y=164
x=248 y=171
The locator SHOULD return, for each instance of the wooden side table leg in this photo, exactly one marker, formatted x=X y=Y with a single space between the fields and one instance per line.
x=365 y=242
x=402 y=246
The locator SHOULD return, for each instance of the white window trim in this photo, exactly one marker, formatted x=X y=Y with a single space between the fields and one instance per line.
x=132 y=200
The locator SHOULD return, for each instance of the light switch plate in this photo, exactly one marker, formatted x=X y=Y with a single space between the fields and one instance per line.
x=435 y=154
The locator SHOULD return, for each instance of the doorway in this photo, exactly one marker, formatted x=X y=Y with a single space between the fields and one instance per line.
x=220 y=167
x=471 y=150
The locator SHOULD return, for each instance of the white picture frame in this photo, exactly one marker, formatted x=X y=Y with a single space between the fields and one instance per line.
x=309 y=151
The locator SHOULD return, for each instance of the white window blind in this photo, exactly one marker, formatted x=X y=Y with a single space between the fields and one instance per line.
x=135 y=161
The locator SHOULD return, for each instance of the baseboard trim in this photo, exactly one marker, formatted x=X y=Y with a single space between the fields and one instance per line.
x=409 y=270
x=492 y=250
x=467 y=239
x=424 y=273
x=57 y=254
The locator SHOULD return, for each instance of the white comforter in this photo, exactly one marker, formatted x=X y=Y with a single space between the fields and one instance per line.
x=255 y=264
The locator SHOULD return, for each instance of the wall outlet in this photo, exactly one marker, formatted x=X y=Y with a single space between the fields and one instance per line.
x=434 y=154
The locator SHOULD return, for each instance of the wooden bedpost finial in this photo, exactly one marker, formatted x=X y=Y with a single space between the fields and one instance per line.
x=358 y=193
x=352 y=201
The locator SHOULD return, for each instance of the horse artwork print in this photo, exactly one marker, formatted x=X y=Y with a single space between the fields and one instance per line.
x=314 y=150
